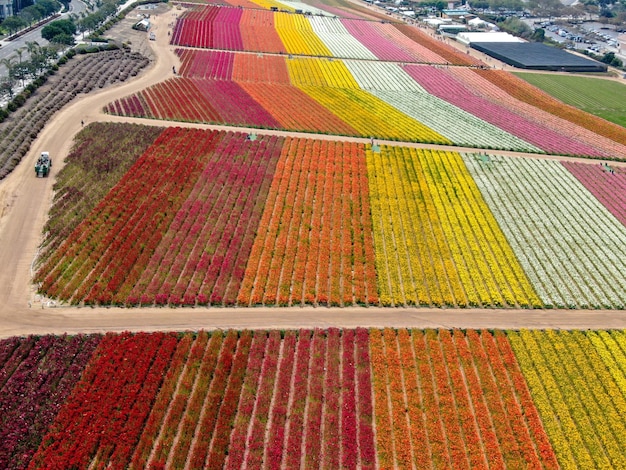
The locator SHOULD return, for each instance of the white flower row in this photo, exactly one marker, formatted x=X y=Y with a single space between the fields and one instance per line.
x=336 y=37
x=382 y=76
x=567 y=242
x=454 y=123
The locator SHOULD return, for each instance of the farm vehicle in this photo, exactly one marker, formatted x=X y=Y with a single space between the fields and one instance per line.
x=42 y=167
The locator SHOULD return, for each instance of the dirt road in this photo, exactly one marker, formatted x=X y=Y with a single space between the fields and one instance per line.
x=25 y=200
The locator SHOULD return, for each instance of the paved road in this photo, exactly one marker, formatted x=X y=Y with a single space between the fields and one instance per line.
x=24 y=202
x=9 y=48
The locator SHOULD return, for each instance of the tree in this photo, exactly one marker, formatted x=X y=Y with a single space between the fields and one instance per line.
x=547 y=8
x=39 y=57
x=13 y=24
x=539 y=35
x=31 y=14
x=58 y=28
x=49 y=6
x=7 y=82
x=610 y=59
x=516 y=26
x=63 y=38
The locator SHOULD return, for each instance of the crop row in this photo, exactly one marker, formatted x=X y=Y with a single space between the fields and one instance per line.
x=36 y=377
x=605 y=183
x=455 y=400
x=102 y=154
x=552 y=122
x=580 y=399
x=225 y=400
x=323 y=398
x=177 y=228
x=527 y=93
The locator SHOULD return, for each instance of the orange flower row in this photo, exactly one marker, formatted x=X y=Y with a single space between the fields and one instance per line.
x=313 y=246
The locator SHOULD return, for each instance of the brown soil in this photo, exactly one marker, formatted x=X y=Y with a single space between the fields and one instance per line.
x=24 y=203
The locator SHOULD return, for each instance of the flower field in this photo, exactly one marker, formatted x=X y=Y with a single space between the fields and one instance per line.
x=407 y=102
x=177 y=228
x=568 y=243
x=437 y=242
x=605 y=184
x=36 y=377
x=95 y=165
x=219 y=218
x=321 y=35
x=315 y=398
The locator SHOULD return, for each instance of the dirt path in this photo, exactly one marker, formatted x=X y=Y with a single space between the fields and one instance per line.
x=25 y=200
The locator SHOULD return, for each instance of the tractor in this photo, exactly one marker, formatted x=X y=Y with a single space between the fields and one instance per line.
x=42 y=167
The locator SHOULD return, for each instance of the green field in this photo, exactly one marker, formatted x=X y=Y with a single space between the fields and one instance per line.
x=604 y=98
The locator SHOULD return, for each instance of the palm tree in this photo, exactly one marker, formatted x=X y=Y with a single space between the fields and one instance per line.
x=7 y=83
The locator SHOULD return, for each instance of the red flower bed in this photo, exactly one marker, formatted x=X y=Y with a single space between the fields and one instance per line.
x=195 y=28
x=105 y=412
x=102 y=251
x=216 y=65
x=236 y=106
x=313 y=246
x=36 y=377
x=178 y=227
x=607 y=185
x=269 y=399
x=203 y=256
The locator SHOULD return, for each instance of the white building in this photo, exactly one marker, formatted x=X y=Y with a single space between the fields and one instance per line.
x=6 y=8
x=492 y=36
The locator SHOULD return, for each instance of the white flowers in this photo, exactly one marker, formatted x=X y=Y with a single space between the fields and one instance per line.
x=568 y=243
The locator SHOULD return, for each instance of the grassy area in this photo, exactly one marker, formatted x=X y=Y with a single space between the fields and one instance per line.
x=604 y=98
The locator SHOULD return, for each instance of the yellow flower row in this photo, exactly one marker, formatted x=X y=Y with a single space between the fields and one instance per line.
x=320 y=72
x=580 y=403
x=268 y=4
x=413 y=262
x=614 y=357
x=596 y=392
x=298 y=36
x=563 y=432
x=496 y=256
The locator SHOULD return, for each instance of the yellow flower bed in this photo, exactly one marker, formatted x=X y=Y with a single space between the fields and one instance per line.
x=441 y=243
x=557 y=420
x=580 y=402
x=613 y=355
x=298 y=36
x=371 y=116
x=503 y=275
x=320 y=72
